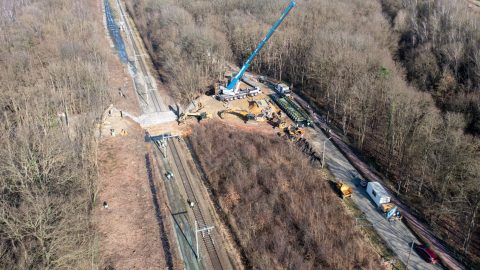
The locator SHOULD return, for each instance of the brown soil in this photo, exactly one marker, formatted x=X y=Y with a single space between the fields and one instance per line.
x=121 y=88
x=129 y=232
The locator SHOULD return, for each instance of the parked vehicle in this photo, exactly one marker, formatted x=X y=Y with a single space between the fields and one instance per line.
x=386 y=207
x=390 y=211
x=283 y=89
x=343 y=189
x=426 y=253
x=378 y=193
x=169 y=175
x=360 y=181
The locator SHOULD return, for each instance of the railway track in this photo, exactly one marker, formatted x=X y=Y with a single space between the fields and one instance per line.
x=156 y=103
x=150 y=89
x=199 y=217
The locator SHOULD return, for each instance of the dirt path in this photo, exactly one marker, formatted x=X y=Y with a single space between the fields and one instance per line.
x=130 y=232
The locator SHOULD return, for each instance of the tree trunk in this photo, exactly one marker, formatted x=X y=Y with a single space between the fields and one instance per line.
x=471 y=227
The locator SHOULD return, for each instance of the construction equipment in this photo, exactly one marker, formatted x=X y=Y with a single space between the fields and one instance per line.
x=277 y=121
x=390 y=211
x=344 y=190
x=385 y=207
x=199 y=115
x=245 y=115
x=299 y=116
x=283 y=89
x=294 y=132
x=232 y=91
x=263 y=109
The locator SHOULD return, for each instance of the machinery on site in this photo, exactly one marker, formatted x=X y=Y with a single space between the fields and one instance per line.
x=344 y=190
x=276 y=120
x=297 y=114
x=263 y=108
x=199 y=115
x=294 y=132
x=381 y=198
x=232 y=90
x=390 y=211
x=283 y=89
x=259 y=110
x=245 y=115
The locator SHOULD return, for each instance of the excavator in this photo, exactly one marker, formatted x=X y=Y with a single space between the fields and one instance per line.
x=232 y=90
x=245 y=115
x=199 y=115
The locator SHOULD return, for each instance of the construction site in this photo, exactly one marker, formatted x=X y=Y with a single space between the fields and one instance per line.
x=240 y=134
x=190 y=218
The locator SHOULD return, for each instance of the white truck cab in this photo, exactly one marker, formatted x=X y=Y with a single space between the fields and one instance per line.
x=283 y=89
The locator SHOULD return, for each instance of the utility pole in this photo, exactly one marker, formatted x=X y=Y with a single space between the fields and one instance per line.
x=324 y=149
x=409 y=252
x=200 y=230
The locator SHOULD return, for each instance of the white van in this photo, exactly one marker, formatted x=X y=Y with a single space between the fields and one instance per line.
x=378 y=194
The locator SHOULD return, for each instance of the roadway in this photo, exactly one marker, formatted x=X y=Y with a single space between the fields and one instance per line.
x=396 y=235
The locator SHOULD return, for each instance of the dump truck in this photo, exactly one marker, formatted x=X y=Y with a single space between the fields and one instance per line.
x=344 y=190
x=390 y=211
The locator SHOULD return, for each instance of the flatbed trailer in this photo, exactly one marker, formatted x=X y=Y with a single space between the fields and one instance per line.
x=292 y=110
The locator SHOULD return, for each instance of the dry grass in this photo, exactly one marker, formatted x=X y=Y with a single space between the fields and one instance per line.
x=280 y=207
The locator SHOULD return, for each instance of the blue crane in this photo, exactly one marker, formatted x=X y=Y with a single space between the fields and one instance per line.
x=232 y=87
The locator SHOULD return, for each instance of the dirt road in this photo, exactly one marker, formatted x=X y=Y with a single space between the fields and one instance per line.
x=131 y=228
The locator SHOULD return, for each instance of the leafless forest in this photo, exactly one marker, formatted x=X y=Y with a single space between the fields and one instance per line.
x=439 y=45
x=49 y=64
x=284 y=213
x=340 y=54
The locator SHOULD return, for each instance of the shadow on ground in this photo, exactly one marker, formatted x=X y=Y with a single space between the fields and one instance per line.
x=158 y=214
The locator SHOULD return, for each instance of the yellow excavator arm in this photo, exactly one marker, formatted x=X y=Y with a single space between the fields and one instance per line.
x=245 y=115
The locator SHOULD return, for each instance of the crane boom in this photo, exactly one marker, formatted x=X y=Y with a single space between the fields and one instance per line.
x=231 y=87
